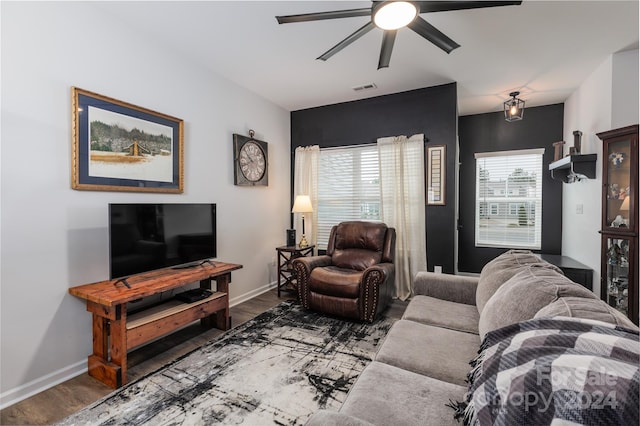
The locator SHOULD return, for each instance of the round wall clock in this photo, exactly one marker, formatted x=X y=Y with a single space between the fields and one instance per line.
x=251 y=161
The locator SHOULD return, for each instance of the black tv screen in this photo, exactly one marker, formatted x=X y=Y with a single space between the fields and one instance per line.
x=144 y=237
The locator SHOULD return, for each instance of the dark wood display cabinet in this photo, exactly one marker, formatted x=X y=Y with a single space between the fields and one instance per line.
x=619 y=276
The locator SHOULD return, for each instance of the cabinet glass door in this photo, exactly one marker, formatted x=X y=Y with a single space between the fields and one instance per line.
x=618 y=181
x=617 y=278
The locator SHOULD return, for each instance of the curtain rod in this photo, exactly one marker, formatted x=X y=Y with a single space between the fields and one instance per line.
x=362 y=145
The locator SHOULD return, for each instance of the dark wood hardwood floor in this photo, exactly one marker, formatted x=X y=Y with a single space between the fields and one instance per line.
x=58 y=402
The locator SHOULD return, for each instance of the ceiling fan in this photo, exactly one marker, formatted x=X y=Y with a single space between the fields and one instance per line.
x=390 y=16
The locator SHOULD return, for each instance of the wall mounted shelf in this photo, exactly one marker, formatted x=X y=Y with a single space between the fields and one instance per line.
x=574 y=168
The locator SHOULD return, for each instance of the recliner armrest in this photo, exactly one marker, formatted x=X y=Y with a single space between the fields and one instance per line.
x=311 y=262
x=376 y=289
x=302 y=267
x=387 y=269
x=454 y=288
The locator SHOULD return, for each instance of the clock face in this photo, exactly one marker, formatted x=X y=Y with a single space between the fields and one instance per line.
x=252 y=161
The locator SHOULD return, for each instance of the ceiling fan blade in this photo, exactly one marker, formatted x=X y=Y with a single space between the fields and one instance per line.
x=433 y=34
x=347 y=41
x=443 y=6
x=388 y=38
x=335 y=14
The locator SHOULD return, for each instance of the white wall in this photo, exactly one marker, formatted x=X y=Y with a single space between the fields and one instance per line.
x=607 y=99
x=624 y=108
x=54 y=237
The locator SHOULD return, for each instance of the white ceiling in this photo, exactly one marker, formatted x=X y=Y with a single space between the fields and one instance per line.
x=544 y=49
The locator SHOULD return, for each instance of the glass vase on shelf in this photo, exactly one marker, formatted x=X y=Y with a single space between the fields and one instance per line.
x=618 y=180
x=618 y=273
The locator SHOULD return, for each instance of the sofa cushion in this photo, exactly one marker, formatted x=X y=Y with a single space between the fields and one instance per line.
x=358 y=244
x=442 y=313
x=388 y=395
x=334 y=281
x=431 y=351
x=580 y=307
x=524 y=294
x=499 y=270
x=357 y=259
x=360 y=234
x=454 y=288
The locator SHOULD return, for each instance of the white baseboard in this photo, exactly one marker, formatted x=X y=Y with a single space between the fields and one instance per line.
x=15 y=395
x=43 y=383
x=250 y=295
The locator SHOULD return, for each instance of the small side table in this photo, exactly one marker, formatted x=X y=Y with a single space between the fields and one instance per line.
x=286 y=276
x=574 y=270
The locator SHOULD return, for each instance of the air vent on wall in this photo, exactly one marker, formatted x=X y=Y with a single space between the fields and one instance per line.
x=368 y=86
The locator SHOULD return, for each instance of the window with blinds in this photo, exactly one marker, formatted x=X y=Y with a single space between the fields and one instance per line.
x=509 y=199
x=348 y=188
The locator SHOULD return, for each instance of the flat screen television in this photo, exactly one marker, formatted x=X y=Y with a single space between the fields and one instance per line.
x=144 y=237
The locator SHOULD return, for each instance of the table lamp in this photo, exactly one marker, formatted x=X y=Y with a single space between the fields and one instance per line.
x=624 y=208
x=302 y=204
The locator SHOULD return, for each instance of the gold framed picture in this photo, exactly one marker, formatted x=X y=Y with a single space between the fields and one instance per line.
x=436 y=175
x=118 y=146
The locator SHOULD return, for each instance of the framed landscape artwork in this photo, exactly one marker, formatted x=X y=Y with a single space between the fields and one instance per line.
x=436 y=159
x=122 y=147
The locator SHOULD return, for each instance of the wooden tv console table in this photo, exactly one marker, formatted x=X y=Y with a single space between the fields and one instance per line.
x=115 y=332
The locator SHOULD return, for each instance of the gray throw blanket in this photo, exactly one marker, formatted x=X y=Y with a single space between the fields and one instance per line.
x=554 y=371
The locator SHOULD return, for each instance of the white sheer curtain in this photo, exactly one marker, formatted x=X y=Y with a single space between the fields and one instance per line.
x=402 y=190
x=305 y=182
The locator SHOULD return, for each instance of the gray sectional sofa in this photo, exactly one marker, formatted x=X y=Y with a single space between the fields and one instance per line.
x=421 y=370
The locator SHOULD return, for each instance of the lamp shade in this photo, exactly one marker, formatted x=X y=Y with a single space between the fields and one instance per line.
x=302 y=204
x=625 y=204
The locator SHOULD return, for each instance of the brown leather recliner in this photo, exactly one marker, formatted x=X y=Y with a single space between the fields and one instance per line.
x=355 y=279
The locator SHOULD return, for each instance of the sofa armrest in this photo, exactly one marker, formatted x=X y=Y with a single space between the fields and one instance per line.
x=454 y=288
x=333 y=418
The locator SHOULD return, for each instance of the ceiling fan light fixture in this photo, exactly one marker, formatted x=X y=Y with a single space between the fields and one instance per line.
x=393 y=15
x=514 y=108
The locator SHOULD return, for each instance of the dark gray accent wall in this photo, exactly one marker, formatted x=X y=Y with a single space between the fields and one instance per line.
x=540 y=128
x=431 y=111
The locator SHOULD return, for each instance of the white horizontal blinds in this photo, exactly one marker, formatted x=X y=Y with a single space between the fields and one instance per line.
x=509 y=199
x=348 y=187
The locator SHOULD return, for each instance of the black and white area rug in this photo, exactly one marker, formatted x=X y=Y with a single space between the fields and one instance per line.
x=278 y=368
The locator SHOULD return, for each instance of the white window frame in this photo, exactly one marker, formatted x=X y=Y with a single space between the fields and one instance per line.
x=343 y=196
x=503 y=230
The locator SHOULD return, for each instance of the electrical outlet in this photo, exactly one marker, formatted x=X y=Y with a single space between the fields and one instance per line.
x=437 y=269
x=579 y=208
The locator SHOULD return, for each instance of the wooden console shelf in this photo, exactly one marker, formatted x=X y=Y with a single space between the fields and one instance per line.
x=115 y=332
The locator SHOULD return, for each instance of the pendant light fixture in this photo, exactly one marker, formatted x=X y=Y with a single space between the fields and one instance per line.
x=514 y=108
